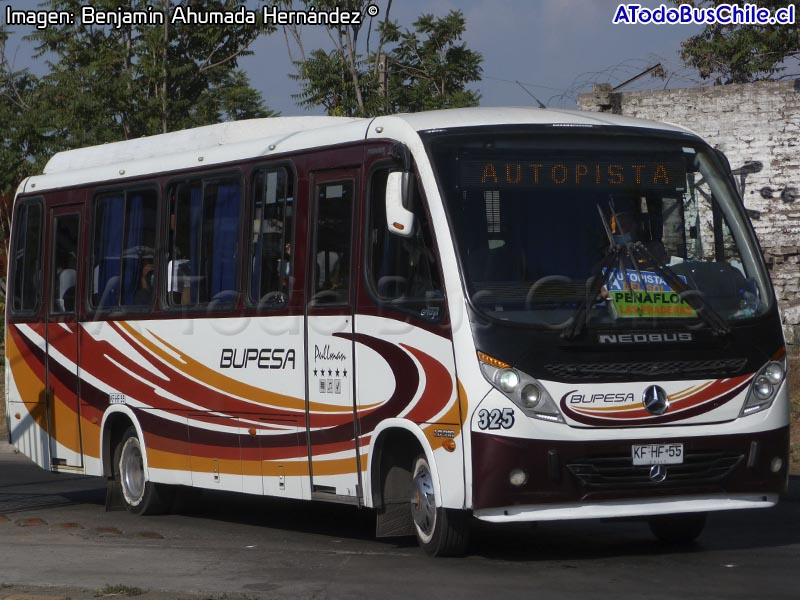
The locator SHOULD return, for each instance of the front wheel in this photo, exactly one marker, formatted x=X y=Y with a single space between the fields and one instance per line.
x=440 y=531
x=678 y=529
x=140 y=496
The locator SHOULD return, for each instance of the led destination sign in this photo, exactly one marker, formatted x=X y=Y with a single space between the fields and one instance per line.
x=580 y=173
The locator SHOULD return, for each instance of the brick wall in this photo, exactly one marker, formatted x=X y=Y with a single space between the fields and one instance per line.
x=757 y=126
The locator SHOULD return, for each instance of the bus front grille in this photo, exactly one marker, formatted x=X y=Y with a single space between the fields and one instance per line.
x=617 y=473
x=686 y=368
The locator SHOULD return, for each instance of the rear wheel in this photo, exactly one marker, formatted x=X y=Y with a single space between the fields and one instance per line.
x=440 y=531
x=678 y=529
x=140 y=496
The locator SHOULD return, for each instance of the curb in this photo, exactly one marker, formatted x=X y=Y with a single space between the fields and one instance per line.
x=6 y=448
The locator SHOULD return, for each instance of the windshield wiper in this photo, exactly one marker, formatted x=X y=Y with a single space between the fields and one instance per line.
x=598 y=279
x=702 y=308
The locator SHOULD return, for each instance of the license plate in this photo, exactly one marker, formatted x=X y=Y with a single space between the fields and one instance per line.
x=657 y=454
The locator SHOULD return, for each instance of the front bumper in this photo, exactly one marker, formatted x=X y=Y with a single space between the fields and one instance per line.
x=719 y=472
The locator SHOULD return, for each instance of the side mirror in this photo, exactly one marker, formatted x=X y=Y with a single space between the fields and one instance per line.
x=399 y=219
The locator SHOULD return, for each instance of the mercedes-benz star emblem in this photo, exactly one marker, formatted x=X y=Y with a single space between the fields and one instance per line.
x=655 y=400
x=658 y=473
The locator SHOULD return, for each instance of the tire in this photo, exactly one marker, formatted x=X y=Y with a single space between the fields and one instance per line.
x=440 y=531
x=678 y=529
x=140 y=496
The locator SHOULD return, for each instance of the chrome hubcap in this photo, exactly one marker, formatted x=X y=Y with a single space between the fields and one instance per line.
x=131 y=468
x=423 y=502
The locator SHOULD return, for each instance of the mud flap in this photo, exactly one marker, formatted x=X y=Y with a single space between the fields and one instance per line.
x=394 y=520
x=113 y=496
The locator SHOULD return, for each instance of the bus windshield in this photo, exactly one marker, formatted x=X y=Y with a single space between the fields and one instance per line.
x=537 y=219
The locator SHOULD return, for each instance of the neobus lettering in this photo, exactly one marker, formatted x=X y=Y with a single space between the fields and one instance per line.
x=639 y=338
x=265 y=358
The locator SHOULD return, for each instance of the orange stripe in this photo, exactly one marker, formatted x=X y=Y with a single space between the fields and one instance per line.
x=90 y=434
x=159 y=459
x=211 y=378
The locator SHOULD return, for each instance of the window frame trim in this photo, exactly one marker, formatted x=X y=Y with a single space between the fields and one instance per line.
x=166 y=246
x=354 y=176
x=291 y=175
x=120 y=309
x=28 y=313
x=372 y=292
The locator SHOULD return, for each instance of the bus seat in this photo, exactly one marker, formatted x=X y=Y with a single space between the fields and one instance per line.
x=65 y=298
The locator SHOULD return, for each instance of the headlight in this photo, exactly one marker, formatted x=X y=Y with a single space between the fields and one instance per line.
x=507 y=380
x=762 y=388
x=522 y=389
x=530 y=395
x=765 y=385
x=775 y=372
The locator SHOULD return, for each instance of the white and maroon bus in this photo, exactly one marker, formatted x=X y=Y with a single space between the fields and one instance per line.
x=499 y=314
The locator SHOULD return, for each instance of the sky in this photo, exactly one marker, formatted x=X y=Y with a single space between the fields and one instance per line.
x=554 y=48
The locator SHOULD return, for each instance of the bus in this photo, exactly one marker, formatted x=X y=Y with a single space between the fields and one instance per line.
x=501 y=314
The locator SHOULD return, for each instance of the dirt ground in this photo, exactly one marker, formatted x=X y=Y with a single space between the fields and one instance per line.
x=28 y=592
x=794 y=392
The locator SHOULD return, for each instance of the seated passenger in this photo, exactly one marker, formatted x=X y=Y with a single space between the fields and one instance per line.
x=144 y=293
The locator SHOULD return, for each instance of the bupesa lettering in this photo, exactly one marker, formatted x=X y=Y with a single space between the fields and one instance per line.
x=263 y=358
x=605 y=398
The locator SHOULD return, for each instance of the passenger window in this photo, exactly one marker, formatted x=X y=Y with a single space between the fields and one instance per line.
x=26 y=283
x=404 y=272
x=271 y=238
x=204 y=227
x=123 y=263
x=65 y=258
x=331 y=283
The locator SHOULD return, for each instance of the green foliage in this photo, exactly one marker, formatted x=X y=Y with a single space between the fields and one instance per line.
x=109 y=83
x=119 y=590
x=24 y=145
x=429 y=69
x=409 y=70
x=121 y=83
x=741 y=53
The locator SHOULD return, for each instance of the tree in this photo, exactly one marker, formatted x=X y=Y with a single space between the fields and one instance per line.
x=741 y=53
x=428 y=69
x=23 y=146
x=109 y=83
x=425 y=68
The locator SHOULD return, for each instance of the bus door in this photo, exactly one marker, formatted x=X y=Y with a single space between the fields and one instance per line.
x=62 y=335
x=330 y=414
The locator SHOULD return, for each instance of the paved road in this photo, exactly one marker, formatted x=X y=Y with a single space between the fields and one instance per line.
x=54 y=531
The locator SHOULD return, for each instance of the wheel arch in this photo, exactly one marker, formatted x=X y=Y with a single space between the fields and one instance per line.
x=396 y=437
x=116 y=420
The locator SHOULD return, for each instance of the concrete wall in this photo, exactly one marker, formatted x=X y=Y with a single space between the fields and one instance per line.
x=757 y=126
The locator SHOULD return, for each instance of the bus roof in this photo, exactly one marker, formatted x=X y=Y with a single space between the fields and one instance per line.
x=240 y=140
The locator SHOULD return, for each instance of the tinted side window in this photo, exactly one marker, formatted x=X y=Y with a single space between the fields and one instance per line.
x=331 y=284
x=403 y=272
x=204 y=227
x=271 y=238
x=124 y=248
x=66 y=229
x=26 y=283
